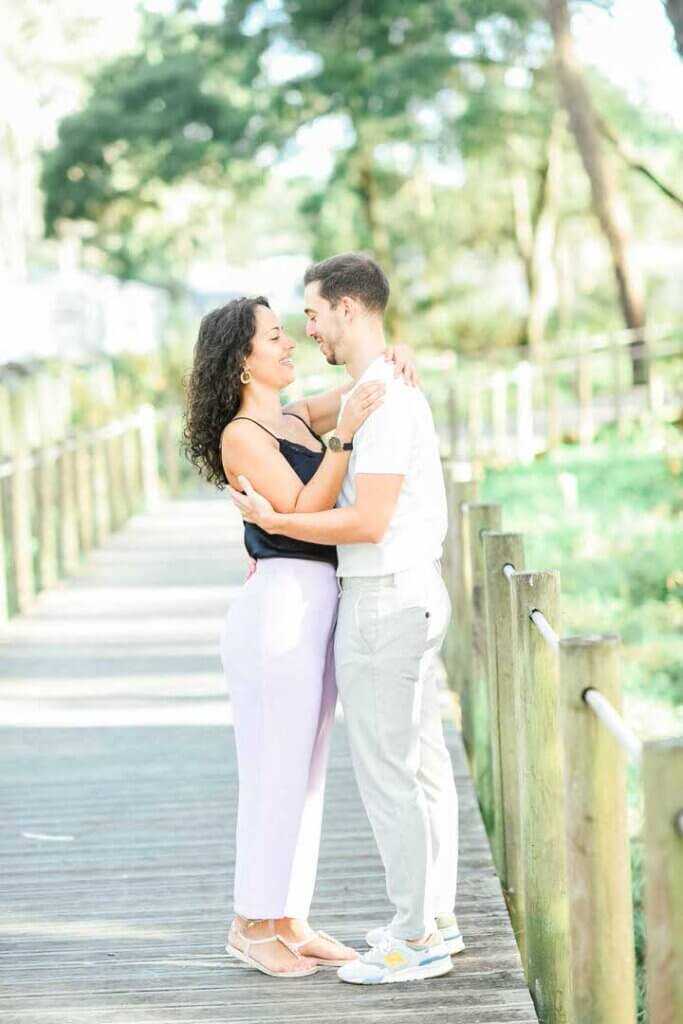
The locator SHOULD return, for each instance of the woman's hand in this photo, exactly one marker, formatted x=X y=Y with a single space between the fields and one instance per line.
x=359 y=405
x=405 y=360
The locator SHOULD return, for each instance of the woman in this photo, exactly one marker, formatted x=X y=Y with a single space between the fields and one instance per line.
x=277 y=636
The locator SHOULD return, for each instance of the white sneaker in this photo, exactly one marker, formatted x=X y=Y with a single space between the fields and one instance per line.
x=395 y=959
x=445 y=923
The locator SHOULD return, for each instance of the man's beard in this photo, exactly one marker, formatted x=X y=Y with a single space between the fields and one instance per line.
x=328 y=351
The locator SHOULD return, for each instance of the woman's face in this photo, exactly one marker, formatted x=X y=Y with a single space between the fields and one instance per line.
x=270 y=360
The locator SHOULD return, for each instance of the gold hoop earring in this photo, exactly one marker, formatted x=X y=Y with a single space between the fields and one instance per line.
x=245 y=375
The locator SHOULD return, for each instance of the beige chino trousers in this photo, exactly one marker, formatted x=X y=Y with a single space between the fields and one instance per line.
x=389 y=632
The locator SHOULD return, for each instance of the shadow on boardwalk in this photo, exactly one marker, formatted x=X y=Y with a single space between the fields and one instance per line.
x=119 y=797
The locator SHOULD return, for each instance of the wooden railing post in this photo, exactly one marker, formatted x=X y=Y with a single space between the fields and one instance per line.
x=476 y=519
x=101 y=503
x=598 y=866
x=4 y=559
x=617 y=403
x=474 y=419
x=47 y=508
x=524 y=374
x=68 y=512
x=118 y=510
x=663 y=829
x=501 y=549
x=499 y=414
x=584 y=394
x=131 y=469
x=553 y=406
x=149 y=457
x=84 y=494
x=452 y=410
x=543 y=825
x=170 y=440
x=457 y=645
x=21 y=536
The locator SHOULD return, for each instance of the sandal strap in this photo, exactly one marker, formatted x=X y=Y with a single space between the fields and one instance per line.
x=270 y=938
x=302 y=942
x=319 y=933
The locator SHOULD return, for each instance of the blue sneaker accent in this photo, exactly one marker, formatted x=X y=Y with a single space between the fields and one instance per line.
x=394 y=960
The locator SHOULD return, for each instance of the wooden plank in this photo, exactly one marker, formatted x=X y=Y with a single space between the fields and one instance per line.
x=125 y=920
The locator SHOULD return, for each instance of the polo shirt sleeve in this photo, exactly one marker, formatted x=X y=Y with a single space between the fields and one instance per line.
x=383 y=443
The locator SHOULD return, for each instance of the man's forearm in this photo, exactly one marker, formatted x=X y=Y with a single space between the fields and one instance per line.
x=334 y=526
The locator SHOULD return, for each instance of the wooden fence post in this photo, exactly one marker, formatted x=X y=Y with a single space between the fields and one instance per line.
x=118 y=510
x=131 y=472
x=598 y=864
x=21 y=534
x=100 y=488
x=84 y=494
x=456 y=647
x=452 y=406
x=474 y=419
x=4 y=561
x=46 y=494
x=543 y=824
x=617 y=403
x=502 y=549
x=499 y=414
x=584 y=394
x=171 y=441
x=663 y=829
x=68 y=512
x=149 y=456
x=554 y=428
x=524 y=375
x=477 y=518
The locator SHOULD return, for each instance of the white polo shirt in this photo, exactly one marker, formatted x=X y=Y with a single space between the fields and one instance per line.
x=398 y=437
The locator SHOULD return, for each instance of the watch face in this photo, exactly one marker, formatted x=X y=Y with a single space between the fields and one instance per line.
x=335 y=443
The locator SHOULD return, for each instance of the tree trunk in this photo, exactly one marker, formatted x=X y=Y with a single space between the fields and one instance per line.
x=608 y=203
x=535 y=237
x=379 y=242
x=545 y=228
x=674 y=9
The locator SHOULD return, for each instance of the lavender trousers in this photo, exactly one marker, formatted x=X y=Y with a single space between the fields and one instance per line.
x=277 y=649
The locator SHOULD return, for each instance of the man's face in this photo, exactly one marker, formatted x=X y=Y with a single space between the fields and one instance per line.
x=324 y=324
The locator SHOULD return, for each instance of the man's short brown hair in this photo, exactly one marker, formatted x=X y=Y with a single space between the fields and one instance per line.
x=353 y=274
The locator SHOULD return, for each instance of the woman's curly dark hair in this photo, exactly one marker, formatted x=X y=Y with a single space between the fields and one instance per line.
x=213 y=387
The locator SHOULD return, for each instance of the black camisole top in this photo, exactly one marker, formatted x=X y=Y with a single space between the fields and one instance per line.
x=304 y=462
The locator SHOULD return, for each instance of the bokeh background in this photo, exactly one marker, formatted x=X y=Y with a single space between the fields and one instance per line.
x=515 y=166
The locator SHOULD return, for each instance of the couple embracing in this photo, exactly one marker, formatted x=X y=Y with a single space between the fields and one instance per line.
x=346 y=597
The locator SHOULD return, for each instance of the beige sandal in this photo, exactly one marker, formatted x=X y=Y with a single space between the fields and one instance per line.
x=322 y=961
x=245 y=956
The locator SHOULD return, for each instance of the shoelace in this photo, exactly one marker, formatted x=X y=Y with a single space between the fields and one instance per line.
x=386 y=942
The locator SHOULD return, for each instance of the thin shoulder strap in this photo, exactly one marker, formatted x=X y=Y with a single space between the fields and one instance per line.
x=308 y=427
x=257 y=424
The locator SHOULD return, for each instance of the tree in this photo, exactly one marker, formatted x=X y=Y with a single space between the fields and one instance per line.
x=674 y=9
x=609 y=205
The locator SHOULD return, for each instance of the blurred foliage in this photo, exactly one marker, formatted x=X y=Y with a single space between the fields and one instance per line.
x=628 y=579
x=439 y=105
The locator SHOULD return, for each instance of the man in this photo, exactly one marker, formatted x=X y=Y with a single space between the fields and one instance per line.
x=393 y=613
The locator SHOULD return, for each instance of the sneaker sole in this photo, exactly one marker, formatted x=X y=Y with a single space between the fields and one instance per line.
x=435 y=970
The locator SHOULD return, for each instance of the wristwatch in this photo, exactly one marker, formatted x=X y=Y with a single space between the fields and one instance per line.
x=335 y=444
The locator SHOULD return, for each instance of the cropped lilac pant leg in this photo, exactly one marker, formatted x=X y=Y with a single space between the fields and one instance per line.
x=277 y=649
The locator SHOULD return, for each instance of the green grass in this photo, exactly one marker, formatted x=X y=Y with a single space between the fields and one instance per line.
x=619 y=551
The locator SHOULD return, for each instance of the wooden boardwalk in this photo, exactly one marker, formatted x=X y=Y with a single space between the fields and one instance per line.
x=119 y=798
